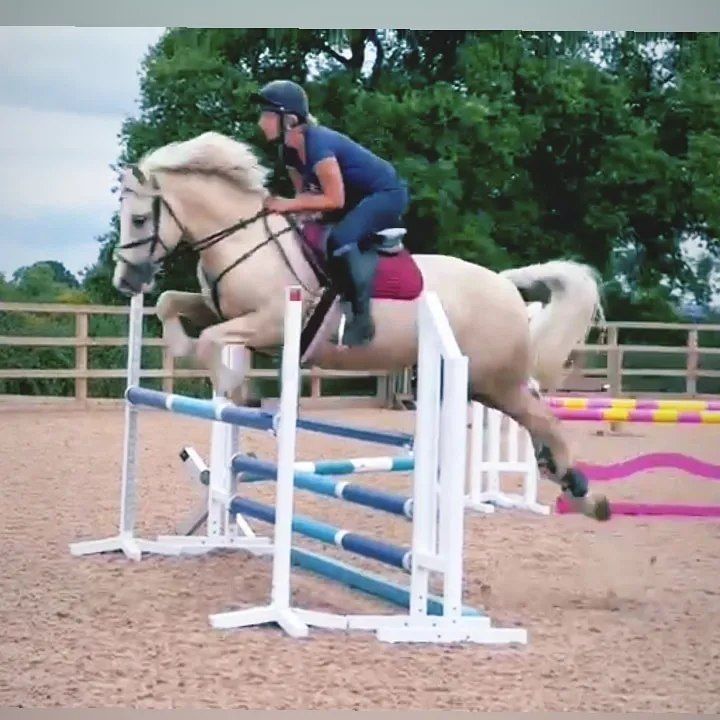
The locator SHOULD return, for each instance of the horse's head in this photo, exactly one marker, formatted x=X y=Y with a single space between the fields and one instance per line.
x=149 y=230
x=180 y=192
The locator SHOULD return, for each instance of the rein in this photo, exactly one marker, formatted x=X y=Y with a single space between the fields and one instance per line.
x=210 y=240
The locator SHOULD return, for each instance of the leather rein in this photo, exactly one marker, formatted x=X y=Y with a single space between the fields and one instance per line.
x=154 y=239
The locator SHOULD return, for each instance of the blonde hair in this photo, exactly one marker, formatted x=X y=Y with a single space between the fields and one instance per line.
x=309 y=120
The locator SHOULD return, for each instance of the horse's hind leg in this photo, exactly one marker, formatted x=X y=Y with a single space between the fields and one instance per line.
x=551 y=449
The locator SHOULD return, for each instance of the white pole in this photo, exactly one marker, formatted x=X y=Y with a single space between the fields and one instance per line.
x=452 y=480
x=287 y=432
x=425 y=452
x=128 y=504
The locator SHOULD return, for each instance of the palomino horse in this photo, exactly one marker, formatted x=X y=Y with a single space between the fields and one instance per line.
x=195 y=191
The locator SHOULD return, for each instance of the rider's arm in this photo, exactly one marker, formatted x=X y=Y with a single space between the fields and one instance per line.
x=332 y=195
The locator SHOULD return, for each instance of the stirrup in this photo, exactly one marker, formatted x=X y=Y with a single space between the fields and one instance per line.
x=390 y=240
x=392 y=233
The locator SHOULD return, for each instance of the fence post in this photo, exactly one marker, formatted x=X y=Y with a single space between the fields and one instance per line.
x=81 y=357
x=692 y=363
x=315 y=385
x=168 y=365
x=382 y=395
x=614 y=362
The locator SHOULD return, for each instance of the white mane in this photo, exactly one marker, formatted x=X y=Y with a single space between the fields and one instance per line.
x=211 y=152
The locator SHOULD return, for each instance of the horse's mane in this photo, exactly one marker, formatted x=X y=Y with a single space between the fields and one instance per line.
x=210 y=153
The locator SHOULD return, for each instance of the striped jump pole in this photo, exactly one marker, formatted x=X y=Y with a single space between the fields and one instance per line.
x=226 y=411
x=356 y=466
x=323 y=485
x=653 y=509
x=369 y=583
x=394 y=555
x=669 y=416
x=583 y=403
x=352 y=466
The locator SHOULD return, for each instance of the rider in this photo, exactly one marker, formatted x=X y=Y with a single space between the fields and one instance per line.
x=356 y=191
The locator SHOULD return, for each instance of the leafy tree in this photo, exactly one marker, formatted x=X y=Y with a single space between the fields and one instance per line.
x=518 y=146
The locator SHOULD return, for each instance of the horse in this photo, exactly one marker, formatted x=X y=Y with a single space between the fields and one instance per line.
x=208 y=191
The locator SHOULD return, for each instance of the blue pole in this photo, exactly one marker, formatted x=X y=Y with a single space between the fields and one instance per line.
x=394 y=555
x=253 y=418
x=367 y=582
x=352 y=492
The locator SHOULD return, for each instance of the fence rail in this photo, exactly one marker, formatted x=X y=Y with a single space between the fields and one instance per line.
x=690 y=378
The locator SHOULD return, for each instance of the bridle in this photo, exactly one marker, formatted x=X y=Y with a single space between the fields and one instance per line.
x=154 y=239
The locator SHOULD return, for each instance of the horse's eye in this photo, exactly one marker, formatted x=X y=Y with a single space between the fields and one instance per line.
x=139 y=220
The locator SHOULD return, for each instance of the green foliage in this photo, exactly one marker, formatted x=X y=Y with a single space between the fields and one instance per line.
x=518 y=147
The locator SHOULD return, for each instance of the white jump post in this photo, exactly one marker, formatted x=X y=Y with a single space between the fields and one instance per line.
x=126 y=541
x=224 y=531
x=488 y=463
x=438 y=493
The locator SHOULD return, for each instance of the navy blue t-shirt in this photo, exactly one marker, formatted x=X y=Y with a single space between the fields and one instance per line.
x=364 y=173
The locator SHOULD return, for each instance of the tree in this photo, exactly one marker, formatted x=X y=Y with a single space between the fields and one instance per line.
x=518 y=147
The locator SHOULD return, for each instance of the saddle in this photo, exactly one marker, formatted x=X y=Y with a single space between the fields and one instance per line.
x=395 y=274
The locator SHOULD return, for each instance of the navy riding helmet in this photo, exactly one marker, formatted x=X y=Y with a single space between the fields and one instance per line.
x=284 y=96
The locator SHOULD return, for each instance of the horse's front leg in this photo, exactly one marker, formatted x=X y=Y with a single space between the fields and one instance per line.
x=251 y=330
x=170 y=307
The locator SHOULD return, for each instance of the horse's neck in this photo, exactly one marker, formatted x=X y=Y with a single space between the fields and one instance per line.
x=213 y=207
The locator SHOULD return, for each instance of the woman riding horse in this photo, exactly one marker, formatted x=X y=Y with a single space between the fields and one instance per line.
x=352 y=188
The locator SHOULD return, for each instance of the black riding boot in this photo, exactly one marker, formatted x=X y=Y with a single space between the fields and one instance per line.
x=355 y=272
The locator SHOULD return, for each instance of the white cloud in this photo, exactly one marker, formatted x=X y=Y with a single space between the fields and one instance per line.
x=56 y=160
x=64 y=92
x=73 y=68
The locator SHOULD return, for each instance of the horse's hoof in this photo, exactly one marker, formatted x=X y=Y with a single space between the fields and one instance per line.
x=602 y=509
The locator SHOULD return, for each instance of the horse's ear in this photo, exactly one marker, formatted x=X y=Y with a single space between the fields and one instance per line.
x=138 y=173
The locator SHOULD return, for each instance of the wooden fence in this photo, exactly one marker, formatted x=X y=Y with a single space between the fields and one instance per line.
x=688 y=365
x=168 y=372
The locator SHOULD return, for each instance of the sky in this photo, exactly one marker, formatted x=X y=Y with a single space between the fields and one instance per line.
x=64 y=93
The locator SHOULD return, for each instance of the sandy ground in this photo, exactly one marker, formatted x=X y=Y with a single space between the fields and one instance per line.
x=621 y=616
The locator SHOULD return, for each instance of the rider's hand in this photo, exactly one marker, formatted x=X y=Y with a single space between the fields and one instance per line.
x=278 y=204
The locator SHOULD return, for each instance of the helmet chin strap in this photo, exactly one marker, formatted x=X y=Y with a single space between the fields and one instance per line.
x=281 y=148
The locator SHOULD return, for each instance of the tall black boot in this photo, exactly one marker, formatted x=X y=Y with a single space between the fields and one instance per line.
x=356 y=271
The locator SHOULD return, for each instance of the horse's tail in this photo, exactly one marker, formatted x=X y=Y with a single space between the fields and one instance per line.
x=565 y=301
